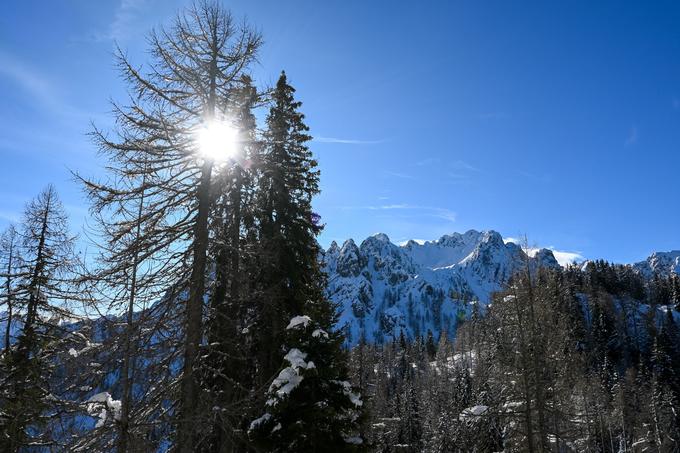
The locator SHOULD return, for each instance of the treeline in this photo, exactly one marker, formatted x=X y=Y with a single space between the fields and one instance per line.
x=212 y=330
x=562 y=361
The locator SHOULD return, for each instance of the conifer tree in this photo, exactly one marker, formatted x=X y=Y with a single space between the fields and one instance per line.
x=290 y=278
x=229 y=369
x=675 y=292
x=9 y=269
x=292 y=285
x=310 y=403
x=430 y=345
x=42 y=295
x=129 y=276
x=185 y=95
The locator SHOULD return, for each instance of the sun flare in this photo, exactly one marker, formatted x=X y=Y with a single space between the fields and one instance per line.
x=217 y=140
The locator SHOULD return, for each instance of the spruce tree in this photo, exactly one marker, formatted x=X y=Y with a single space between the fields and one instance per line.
x=323 y=410
x=290 y=278
x=310 y=404
x=675 y=291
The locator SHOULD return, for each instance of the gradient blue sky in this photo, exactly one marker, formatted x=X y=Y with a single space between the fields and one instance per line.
x=555 y=120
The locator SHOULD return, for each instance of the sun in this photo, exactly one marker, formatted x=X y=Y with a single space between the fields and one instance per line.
x=217 y=140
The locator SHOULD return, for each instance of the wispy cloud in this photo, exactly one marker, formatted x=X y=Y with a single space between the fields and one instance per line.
x=417 y=241
x=457 y=171
x=10 y=216
x=632 y=137
x=462 y=165
x=387 y=207
x=124 y=25
x=428 y=161
x=413 y=210
x=563 y=257
x=26 y=78
x=458 y=178
x=492 y=116
x=543 y=178
x=126 y=14
x=399 y=175
x=461 y=171
x=37 y=86
x=346 y=141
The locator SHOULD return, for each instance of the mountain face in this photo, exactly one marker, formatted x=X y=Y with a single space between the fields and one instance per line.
x=383 y=289
x=662 y=263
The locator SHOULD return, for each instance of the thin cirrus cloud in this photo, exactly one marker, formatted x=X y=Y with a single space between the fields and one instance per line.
x=410 y=210
x=455 y=165
x=125 y=16
x=543 y=178
x=457 y=171
x=9 y=216
x=399 y=175
x=632 y=137
x=27 y=78
x=124 y=25
x=37 y=86
x=428 y=161
x=461 y=165
x=492 y=116
x=563 y=257
x=346 y=141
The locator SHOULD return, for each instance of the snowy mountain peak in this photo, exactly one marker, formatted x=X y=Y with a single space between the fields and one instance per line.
x=545 y=258
x=449 y=250
x=384 y=289
x=349 y=261
x=382 y=237
x=662 y=263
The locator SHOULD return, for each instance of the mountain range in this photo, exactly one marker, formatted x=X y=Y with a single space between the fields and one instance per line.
x=383 y=289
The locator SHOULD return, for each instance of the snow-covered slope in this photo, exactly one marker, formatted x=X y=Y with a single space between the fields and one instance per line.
x=662 y=263
x=384 y=289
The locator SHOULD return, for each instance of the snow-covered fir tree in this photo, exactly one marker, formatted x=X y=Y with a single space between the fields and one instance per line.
x=311 y=402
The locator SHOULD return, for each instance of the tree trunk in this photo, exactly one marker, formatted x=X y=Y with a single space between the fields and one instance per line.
x=126 y=379
x=34 y=288
x=194 y=312
x=8 y=282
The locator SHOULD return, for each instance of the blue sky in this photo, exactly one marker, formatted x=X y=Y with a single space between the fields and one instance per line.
x=555 y=120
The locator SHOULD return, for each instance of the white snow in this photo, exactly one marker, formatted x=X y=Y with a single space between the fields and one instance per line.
x=663 y=263
x=320 y=333
x=384 y=290
x=289 y=378
x=101 y=405
x=88 y=346
x=347 y=390
x=354 y=440
x=296 y=358
x=473 y=412
x=297 y=321
x=258 y=421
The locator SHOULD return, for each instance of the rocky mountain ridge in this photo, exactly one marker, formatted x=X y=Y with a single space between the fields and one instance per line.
x=384 y=289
